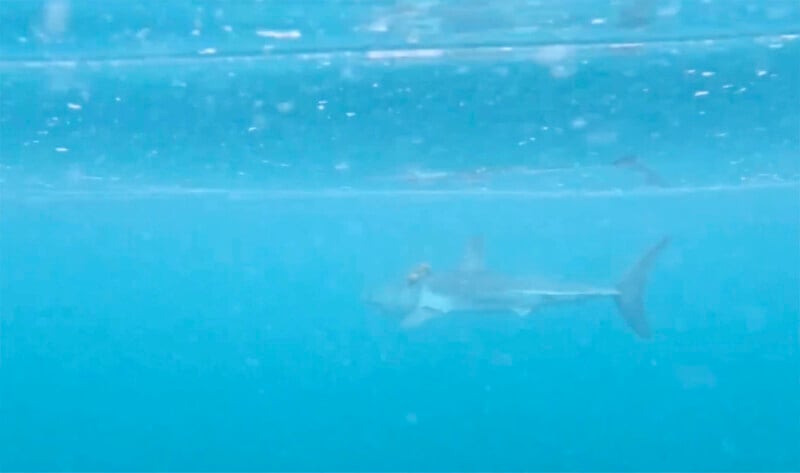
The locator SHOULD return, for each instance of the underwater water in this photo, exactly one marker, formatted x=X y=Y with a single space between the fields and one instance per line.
x=199 y=203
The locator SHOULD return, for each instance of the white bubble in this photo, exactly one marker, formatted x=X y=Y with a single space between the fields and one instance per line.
x=562 y=71
x=278 y=34
x=285 y=107
x=550 y=55
x=579 y=123
x=56 y=17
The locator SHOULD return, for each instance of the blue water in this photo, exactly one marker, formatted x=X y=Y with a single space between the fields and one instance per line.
x=186 y=236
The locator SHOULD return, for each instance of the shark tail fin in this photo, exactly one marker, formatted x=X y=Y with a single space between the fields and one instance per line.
x=630 y=300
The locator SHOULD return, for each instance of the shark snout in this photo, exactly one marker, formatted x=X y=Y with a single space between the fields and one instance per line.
x=394 y=298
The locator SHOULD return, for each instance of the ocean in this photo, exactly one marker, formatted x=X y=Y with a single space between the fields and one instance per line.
x=197 y=198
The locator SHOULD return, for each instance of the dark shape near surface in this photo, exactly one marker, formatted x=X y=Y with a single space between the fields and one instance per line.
x=630 y=161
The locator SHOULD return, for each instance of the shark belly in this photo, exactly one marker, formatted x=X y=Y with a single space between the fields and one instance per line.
x=433 y=303
x=520 y=304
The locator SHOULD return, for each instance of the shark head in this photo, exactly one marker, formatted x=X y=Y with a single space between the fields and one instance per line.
x=403 y=296
x=396 y=298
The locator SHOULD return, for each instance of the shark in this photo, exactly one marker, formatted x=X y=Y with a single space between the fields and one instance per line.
x=470 y=287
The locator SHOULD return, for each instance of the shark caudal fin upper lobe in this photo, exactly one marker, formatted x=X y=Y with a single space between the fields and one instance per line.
x=630 y=300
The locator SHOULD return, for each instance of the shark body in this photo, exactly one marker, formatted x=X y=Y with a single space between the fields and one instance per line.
x=471 y=288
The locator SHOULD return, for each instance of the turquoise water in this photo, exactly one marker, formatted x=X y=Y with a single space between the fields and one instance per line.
x=195 y=198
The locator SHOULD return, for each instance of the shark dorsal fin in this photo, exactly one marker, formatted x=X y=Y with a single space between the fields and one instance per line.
x=473 y=259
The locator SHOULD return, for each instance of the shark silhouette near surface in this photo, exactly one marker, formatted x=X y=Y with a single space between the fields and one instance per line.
x=471 y=288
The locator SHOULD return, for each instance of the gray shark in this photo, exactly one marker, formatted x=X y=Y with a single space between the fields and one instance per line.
x=471 y=288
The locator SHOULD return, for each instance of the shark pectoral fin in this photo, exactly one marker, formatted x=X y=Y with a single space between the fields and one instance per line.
x=419 y=317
